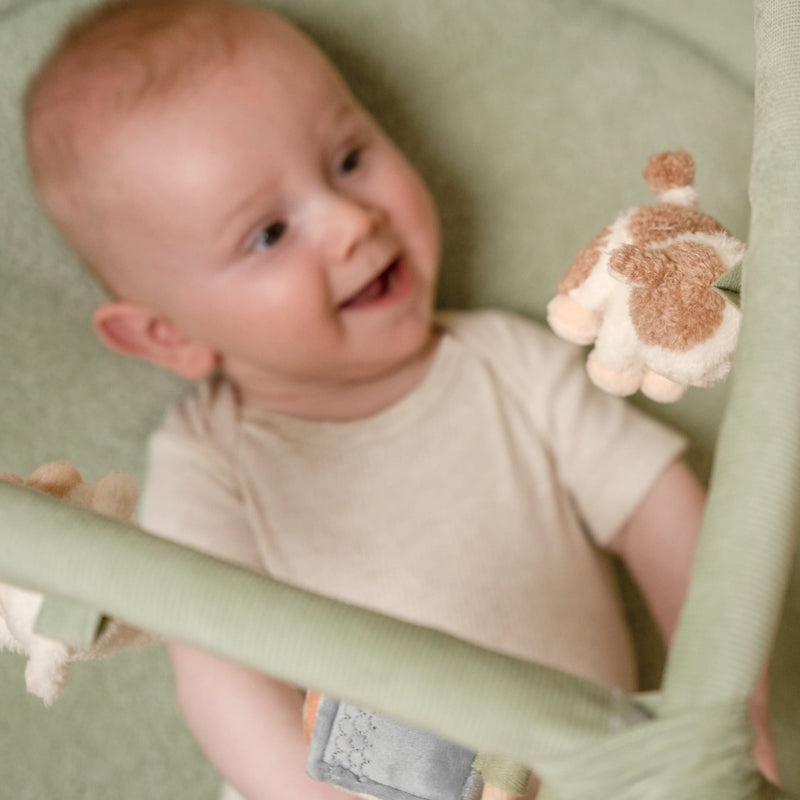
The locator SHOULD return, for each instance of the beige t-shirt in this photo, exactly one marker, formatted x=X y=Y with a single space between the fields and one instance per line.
x=472 y=505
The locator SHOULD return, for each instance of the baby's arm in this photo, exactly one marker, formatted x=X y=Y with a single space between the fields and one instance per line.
x=658 y=542
x=657 y=545
x=248 y=725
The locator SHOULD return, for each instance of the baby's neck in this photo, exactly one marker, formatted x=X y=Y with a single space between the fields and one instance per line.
x=342 y=402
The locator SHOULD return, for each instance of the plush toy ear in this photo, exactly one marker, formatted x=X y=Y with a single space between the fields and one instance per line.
x=136 y=331
x=57 y=478
x=639 y=266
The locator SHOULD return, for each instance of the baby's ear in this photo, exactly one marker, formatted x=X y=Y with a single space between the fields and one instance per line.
x=136 y=331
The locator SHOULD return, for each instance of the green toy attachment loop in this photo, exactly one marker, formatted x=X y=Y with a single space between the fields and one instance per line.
x=72 y=623
x=730 y=286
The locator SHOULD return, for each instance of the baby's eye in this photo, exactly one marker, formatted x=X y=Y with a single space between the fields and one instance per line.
x=270 y=235
x=350 y=162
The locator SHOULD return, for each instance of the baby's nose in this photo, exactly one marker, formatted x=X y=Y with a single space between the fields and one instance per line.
x=351 y=222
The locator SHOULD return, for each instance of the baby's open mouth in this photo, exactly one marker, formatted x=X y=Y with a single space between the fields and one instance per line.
x=378 y=288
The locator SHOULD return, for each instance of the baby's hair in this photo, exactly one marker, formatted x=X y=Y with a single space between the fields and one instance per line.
x=109 y=62
x=123 y=53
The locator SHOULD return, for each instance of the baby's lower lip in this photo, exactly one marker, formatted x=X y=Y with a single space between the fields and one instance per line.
x=381 y=289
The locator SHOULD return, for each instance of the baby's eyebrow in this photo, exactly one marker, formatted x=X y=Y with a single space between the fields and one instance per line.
x=252 y=200
x=343 y=113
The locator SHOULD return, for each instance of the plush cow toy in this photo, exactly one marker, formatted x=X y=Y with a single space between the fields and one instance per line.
x=643 y=292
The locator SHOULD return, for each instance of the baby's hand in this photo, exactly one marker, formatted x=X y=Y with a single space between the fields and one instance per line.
x=763 y=749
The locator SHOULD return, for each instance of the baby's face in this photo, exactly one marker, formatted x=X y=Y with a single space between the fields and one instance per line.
x=267 y=216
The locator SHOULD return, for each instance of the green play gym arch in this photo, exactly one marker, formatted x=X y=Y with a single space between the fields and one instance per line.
x=688 y=740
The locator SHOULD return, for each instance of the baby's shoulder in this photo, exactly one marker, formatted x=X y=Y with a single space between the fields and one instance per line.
x=516 y=345
x=206 y=415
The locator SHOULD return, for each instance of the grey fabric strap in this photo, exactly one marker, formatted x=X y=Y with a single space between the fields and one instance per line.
x=369 y=754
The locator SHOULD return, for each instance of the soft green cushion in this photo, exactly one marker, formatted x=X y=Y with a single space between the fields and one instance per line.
x=531 y=121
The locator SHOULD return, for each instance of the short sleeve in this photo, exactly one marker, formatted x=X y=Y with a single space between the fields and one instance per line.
x=191 y=495
x=608 y=453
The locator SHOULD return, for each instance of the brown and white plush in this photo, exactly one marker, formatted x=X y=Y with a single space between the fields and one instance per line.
x=641 y=291
x=48 y=660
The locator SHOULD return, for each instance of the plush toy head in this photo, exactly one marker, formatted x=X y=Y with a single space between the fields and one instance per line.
x=48 y=659
x=643 y=292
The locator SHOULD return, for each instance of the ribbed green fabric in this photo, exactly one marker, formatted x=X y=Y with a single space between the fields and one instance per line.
x=754 y=509
x=696 y=755
x=505 y=774
x=487 y=701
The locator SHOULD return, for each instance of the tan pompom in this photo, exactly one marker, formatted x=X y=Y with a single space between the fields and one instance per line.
x=670 y=170
x=57 y=478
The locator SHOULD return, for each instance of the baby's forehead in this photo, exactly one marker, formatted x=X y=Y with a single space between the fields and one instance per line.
x=137 y=62
x=129 y=52
x=123 y=58
x=142 y=55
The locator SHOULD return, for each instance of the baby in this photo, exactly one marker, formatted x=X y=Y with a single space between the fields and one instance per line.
x=258 y=232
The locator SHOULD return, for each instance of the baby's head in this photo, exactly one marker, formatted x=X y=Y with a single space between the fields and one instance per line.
x=245 y=213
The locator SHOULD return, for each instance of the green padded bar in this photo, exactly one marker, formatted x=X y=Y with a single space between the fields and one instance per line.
x=596 y=743
x=482 y=699
x=751 y=525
